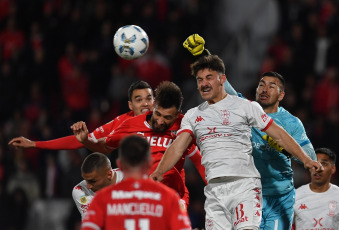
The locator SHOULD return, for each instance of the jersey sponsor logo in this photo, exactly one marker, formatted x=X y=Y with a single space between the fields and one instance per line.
x=83 y=199
x=302 y=207
x=144 y=209
x=225 y=117
x=239 y=210
x=216 y=135
x=264 y=117
x=317 y=222
x=211 y=130
x=332 y=205
x=139 y=194
x=159 y=141
x=199 y=118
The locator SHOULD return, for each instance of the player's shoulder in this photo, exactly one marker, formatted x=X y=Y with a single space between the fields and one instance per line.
x=335 y=188
x=286 y=117
x=79 y=190
x=302 y=189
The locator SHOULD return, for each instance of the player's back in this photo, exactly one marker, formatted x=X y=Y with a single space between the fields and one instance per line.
x=136 y=204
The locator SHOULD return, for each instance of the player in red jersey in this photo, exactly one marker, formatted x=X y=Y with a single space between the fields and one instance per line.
x=158 y=127
x=136 y=202
x=140 y=101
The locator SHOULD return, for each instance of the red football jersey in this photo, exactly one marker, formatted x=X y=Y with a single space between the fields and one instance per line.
x=159 y=142
x=136 y=205
x=106 y=129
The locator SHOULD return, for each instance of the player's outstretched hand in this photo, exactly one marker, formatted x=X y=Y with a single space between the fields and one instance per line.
x=195 y=44
x=276 y=146
x=80 y=131
x=22 y=142
x=314 y=165
x=157 y=176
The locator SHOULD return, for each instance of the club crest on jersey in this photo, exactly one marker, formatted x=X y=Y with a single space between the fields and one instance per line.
x=264 y=117
x=225 y=115
x=83 y=199
x=332 y=205
x=173 y=133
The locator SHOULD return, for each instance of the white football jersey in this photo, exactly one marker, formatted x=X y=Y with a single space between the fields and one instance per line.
x=83 y=196
x=223 y=134
x=316 y=210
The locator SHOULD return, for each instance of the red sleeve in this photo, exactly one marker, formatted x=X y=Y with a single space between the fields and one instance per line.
x=178 y=218
x=69 y=142
x=195 y=156
x=113 y=140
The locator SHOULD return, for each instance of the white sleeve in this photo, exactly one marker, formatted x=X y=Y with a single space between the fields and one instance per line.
x=257 y=117
x=186 y=124
x=81 y=200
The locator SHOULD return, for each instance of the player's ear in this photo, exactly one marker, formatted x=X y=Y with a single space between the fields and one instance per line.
x=281 y=96
x=110 y=174
x=130 y=105
x=333 y=169
x=222 y=78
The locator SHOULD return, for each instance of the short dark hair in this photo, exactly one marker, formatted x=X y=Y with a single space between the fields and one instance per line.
x=212 y=62
x=328 y=152
x=134 y=150
x=167 y=95
x=95 y=161
x=137 y=85
x=276 y=75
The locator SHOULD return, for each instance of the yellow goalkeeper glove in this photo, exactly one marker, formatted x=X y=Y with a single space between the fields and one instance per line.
x=195 y=44
x=276 y=146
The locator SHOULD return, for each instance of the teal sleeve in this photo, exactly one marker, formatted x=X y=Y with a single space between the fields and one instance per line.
x=308 y=148
x=230 y=90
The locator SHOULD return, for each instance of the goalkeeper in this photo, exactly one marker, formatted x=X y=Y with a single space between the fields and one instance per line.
x=272 y=161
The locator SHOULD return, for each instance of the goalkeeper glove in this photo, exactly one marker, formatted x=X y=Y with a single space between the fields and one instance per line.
x=275 y=145
x=194 y=44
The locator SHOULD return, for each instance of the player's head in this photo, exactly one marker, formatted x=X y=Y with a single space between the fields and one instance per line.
x=140 y=97
x=96 y=169
x=327 y=158
x=134 y=156
x=167 y=105
x=209 y=72
x=271 y=89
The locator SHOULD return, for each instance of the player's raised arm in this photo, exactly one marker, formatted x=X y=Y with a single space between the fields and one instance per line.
x=171 y=156
x=287 y=142
x=81 y=133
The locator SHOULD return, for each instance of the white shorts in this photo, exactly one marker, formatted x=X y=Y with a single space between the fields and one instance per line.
x=233 y=203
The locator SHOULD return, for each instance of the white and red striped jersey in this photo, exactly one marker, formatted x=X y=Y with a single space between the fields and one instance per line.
x=223 y=134
x=136 y=204
x=316 y=210
x=83 y=196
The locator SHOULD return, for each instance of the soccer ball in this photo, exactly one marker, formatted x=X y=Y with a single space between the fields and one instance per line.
x=130 y=42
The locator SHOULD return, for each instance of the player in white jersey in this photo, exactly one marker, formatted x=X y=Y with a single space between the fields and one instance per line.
x=97 y=173
x=317 y=203
x=221 y=127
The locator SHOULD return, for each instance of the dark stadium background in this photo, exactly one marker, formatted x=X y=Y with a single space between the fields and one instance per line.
x=58 y=66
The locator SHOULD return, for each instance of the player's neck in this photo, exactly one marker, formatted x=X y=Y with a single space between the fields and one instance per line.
x=271 y=109
x=217 y=99
x=319 y=188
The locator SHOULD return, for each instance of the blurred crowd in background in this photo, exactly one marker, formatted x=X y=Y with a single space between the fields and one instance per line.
x=58 y=66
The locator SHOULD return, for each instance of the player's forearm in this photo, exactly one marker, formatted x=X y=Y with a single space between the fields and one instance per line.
x=96 y=146
x=174 y=153
x=69 y=142
x=288 y=143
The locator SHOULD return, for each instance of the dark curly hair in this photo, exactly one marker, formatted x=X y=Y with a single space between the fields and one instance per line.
x=168 y=94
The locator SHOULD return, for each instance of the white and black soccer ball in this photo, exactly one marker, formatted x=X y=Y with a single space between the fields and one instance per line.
x=130 y=42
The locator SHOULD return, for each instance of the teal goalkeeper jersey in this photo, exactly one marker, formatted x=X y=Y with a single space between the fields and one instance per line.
x=274 y=167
